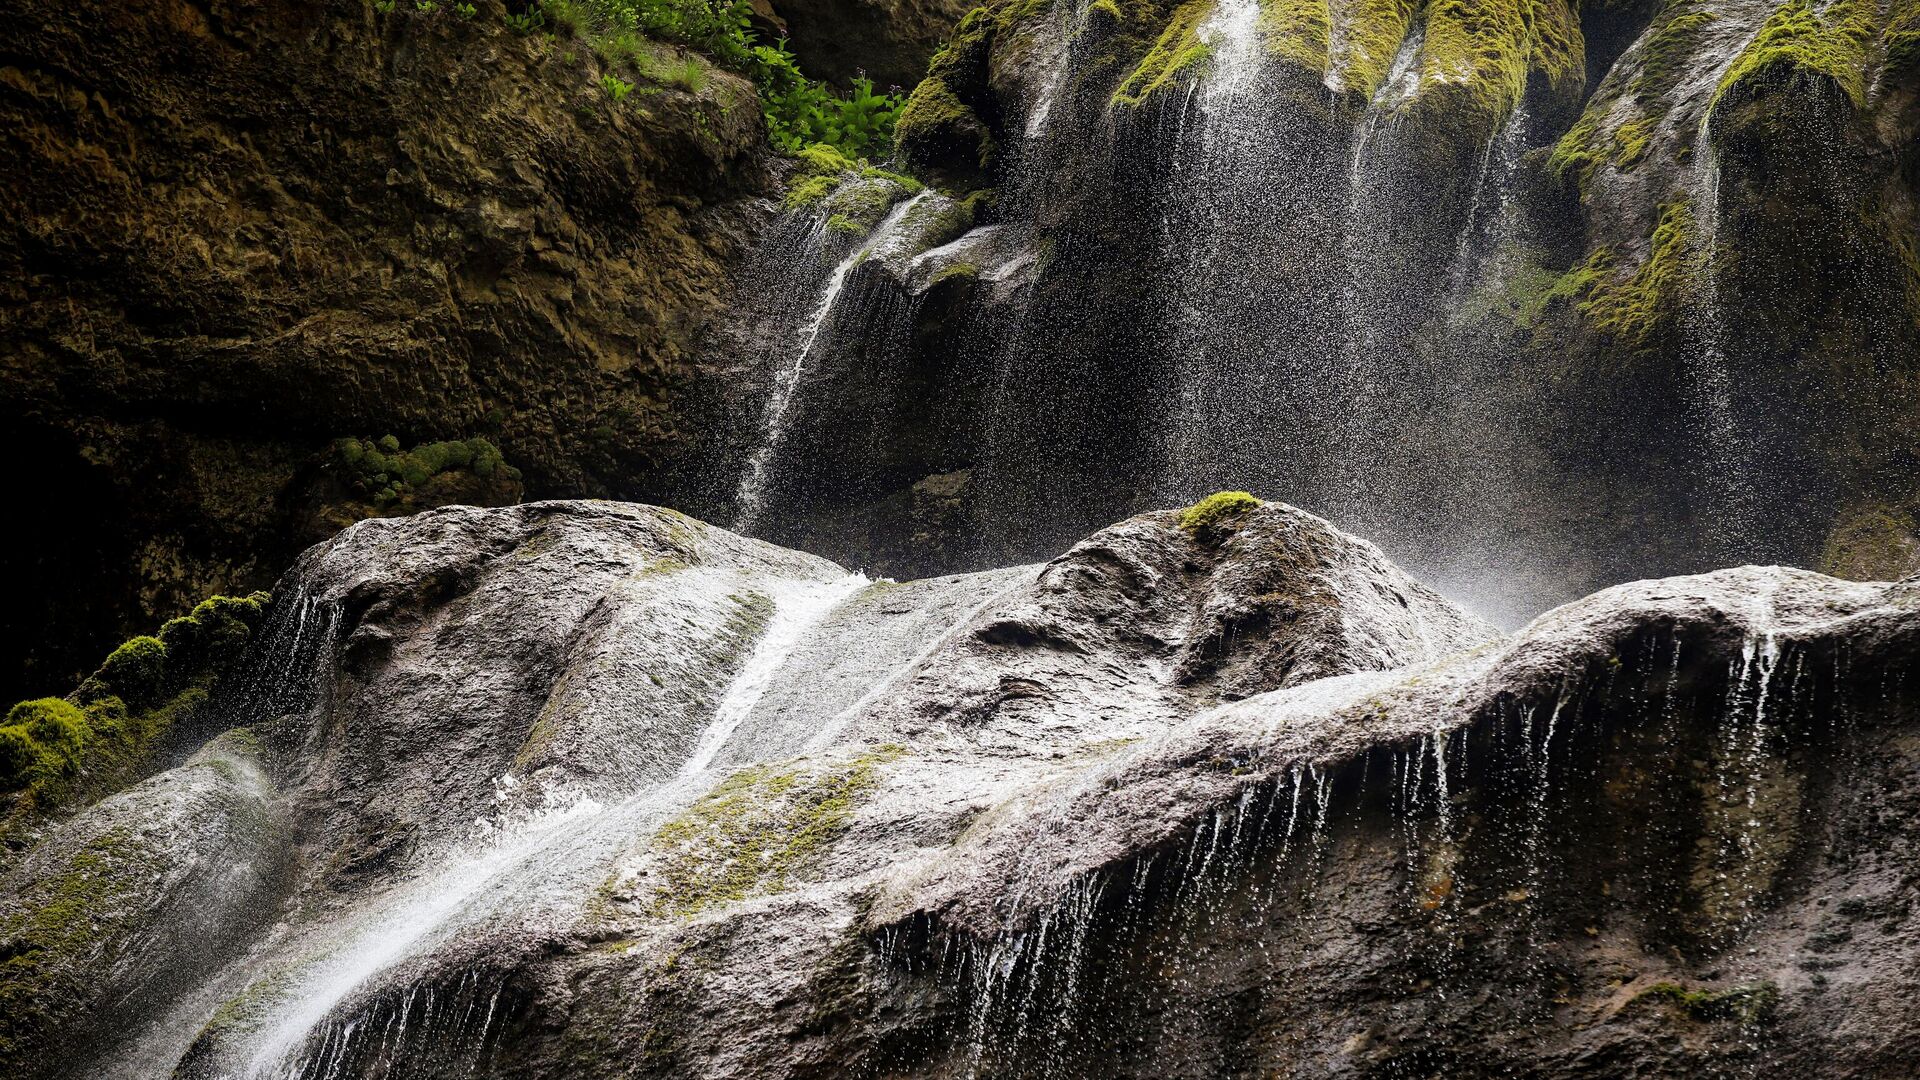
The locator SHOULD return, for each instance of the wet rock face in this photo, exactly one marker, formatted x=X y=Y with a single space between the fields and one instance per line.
x=1406 y=266
x=235 y=235
x=593 y=787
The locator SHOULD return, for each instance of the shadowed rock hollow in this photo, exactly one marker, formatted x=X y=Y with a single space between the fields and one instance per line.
x=595 y=789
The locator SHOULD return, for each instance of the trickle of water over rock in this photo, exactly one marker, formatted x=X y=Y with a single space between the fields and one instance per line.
x=792 y=370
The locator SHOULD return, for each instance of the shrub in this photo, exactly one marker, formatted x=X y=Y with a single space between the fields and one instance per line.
x=618 y=91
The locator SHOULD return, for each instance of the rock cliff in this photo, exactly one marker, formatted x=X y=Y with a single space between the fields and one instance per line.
x=237 y=233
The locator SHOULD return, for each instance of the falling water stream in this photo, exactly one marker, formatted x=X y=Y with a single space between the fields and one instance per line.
x=775 y=417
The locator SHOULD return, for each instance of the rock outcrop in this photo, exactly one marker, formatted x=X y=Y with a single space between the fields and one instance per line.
x=589 y=787
x=236 y=234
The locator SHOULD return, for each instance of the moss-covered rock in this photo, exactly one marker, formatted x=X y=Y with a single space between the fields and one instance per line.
x=1800 y=45
x=158 y=884
x=1876 y=542
x=756 y=831
x=1174 y=57
x=111 y=729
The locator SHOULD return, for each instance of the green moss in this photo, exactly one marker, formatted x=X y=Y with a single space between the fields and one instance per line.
x=954 y=270
x=1524 y=294
x=1630 y=143
x=1371 y=39
x=42 y=741
x=382 y=473
x=1216 y=510
x=822 y=159
x=1799 y=40
x=1576 y=154
x=104 y=734
x=906 y=183
x=1301 y=31
x=809 y=190
x=937 y=128
x=135 y=669
x=1668 y=54
x=1631 y=311
x=1482 y=52
x=756 y=831
x=1744 y=1004
x=1174 y=55
x=1872 y=543
x=845 y=226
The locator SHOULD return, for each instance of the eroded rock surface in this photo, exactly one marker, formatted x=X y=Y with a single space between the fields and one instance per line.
x=595 y=788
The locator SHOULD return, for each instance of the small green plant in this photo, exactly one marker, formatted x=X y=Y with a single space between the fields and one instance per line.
x=565 y=16
x=524 y=23
x=465 y=11
x=689 y=75
x=384 y=7
x=615 y=88
x=426 y=7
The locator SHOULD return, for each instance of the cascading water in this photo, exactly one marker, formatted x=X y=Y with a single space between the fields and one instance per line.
x=750 y=495
x=1726 y=466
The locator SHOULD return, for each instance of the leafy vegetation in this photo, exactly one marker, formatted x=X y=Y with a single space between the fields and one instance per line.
x=105 y=731
x=799 y=111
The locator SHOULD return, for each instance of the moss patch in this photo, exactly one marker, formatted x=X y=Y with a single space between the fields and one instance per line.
x=1743 y=1004
x=103 y=735
x=1484 y=51
x=380 y=471
x=1872 y=543
x=1798 y=41
x=1371 y=39
x=1176 y=53
x=755 y=832
x=1216 y=510
x=1633 y=310
x=55 y=928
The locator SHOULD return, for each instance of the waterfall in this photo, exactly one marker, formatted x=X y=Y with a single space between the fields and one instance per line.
x=750 y=494
x=1729 y=490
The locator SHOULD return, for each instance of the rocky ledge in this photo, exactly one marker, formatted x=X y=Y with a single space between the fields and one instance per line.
x=595 y=789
